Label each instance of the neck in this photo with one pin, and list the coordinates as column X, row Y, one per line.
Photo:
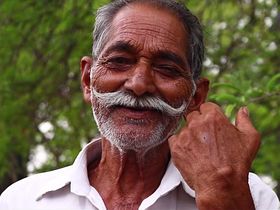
column 128, row 176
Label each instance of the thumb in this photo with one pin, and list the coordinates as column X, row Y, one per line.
column 242, row 120
column 171, row 140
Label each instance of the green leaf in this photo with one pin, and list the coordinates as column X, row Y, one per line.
column 225, row 98
column 273, row 82
column 225, row 85
column 229, row 109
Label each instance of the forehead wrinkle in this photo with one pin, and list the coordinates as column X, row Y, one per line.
column 150, row 31
column 144, row 36
column 138, row 45
column 145, row 28
column 121, row 45
column 124, row 22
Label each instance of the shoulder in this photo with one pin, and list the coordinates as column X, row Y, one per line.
column 37, row 181
column 29, row 188
column 264, row 197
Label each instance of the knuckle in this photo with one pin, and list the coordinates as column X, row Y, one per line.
column 172, row 141
column 210, row 105
column 213, row 117
column 193, row 125
column 192, row 115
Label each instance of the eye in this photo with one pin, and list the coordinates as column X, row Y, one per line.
column 168, row 70
column 119, row 63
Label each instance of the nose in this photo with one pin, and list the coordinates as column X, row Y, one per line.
column 141, row 80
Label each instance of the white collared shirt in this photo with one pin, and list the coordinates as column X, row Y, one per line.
column 69, row 189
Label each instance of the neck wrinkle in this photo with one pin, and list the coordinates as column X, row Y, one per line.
column 128, row 175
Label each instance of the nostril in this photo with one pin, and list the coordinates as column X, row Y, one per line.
column 140, row 83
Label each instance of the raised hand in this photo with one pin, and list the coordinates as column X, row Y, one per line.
column 214, row 157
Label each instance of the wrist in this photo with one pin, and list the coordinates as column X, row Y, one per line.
column 224, row 191
column 225, row 200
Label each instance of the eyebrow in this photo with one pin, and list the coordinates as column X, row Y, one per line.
column 161, row 54
column 121, row 46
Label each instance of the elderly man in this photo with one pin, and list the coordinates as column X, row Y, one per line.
column 142, row 80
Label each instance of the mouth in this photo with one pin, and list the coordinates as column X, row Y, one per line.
column 137, row 112
column 136, row 109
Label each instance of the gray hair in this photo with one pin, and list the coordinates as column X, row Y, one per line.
column 195, row 45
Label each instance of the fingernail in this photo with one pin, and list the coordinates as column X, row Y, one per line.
column 245, row 110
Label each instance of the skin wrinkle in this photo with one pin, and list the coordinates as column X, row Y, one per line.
column 135, row 48
column 99, row 69
column 153, row 28
column 143, row 41
column 125, row 25
column 138, row 44
column 149, row 32
column 106, row 122
column 150, row 46
column 164, row 35
column 128, row 47
column 179, row 86
column 124, row 34
column 190, row 25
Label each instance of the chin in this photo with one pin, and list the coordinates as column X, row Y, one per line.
column 138, row 140
column 133, row 135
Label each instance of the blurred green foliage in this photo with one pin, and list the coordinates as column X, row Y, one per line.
column 41, row 43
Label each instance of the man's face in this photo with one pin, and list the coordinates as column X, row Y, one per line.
column 145, row 56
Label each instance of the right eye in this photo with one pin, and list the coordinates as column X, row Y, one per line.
column 119, row 63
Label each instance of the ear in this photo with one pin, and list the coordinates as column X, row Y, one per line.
column 85, row 66
column 202, row 88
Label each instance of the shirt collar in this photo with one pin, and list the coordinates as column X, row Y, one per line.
column 79, row 179
column 55, row 183
column 76, row 175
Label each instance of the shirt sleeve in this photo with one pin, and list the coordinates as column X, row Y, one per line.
column 3, row 203
column 264, row 197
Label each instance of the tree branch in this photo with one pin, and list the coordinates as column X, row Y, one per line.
column 263, row 97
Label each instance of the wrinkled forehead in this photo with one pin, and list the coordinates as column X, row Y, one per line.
column 149, row 26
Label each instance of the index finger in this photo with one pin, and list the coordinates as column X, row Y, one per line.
column 209, row 107
column 194, row 114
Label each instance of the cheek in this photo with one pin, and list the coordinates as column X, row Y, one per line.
column 175, row 91
column 106, row 81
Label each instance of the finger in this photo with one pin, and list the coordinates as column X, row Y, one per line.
column 171, row 138
column 244, row 125
column 243, row 122
column 190, row 116
column 209, row 107
column 172, row 141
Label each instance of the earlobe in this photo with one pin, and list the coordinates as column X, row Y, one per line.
column 85, row 67
column 200, row 95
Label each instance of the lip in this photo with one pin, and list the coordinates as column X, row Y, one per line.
column 137, row 113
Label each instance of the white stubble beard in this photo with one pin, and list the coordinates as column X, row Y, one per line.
column 133, row 140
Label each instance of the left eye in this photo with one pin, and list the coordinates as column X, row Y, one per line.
column 119, row 60
column 168, row 70
column 118, row 63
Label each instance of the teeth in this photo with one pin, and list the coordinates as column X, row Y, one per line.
column 139, row 109
column 136, row 109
